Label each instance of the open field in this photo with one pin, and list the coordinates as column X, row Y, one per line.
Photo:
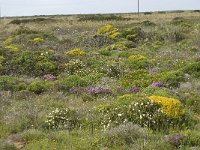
column 100, row 82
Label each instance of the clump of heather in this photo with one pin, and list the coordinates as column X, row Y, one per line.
column 157, row 84
column 175, row 139
column 99, row 91
column 49, row 77
column 134, row 90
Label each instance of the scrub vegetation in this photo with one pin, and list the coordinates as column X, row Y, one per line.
column 98, row 82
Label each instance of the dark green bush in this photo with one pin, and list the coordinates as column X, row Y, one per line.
column 8, row 83
column 99, row 17
column 172, row 78
column 133, row 34
column 148, row 23
column 35, row 20
column 43, row 68
column 73, row 81
column 148, row 13
column 192, row 69
column 25, row 30
column 193, row 103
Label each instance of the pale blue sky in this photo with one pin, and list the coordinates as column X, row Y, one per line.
column 48, row 7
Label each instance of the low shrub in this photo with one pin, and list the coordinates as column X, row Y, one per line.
column 133, row 34
column 62, row 118
column 138, row 78
column 99, row 17
column 148, row 23
column 74, row 65
column 192, row 69
column 37, row 87
column 127, row 133
column 8, row 83
column 96, row 91
column 72, row 81
column 144, row 112
column 175, row 139
column 76, row 52
column 193, row 103
column 172, row 78
column 117, row 46
column 108, row 30
column 35, row 20
column 171, row 107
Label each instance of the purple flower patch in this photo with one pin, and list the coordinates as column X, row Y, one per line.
column 134, row 90
column 157, row 84
column 49, row 77
column 98, row 90
column 175, row 139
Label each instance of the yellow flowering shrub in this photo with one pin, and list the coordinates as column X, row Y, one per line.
column 136, row 57
column 38, row 40
column 76, row 52
column 108, row 30
column 13, row 47
column 8, row 41
column 171, row 107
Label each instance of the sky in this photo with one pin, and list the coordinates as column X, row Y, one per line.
column 54, row 7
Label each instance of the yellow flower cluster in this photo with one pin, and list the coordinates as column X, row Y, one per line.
column 171, row 107
column 38, row 40
column 108, row 30
column 76, row 52
column 136, row 57
column 12, row 47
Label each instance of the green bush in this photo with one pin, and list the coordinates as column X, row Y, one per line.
column 138, row 78
column 194, row 104
column 172, row 78
column 193, row 69
column 73, row 81
column 8, row 83
column 43, row 68
column 133, row 34
column 37, row 87
column 32, row 63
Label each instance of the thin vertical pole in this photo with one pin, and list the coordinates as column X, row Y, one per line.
column 0, row 12
column 138, row 7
